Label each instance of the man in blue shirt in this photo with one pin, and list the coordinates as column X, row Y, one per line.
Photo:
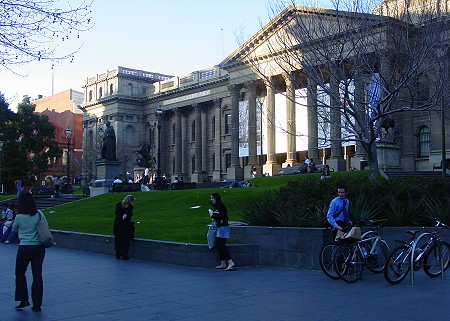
column 338, row 213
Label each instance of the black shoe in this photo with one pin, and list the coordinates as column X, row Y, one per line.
column 22, row 304
column 36, row 308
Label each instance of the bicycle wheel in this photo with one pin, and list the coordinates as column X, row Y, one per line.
column 376, row 261
column 349, row 263
column 326, row 260
column 398, row 265
column 432, row 259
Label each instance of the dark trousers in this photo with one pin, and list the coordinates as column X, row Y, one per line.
column 33, row 254
column 224, row 254
column 122, row 241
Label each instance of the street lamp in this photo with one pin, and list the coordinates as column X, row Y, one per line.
column 1, row 156
column 159, row 114
column 68, row 135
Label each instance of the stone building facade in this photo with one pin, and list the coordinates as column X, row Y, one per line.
column 221, row 121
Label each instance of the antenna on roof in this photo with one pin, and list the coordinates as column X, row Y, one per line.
column 223, row 51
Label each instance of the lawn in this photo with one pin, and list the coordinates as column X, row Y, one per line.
column 159, row 215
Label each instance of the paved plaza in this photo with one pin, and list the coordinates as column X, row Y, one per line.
column 94, row 287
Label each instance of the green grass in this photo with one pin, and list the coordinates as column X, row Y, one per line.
column 162, row 215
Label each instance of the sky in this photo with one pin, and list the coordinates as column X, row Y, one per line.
column 173, row 37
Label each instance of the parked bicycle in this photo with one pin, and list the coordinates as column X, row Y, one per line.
column 351, row 257
column 326, row 258
column 427, row 255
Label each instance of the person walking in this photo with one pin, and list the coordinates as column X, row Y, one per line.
column 220, row 216
column 30, row 250
column 122, row 227
column 339, row 211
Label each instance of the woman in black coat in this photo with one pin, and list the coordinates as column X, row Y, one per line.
column 122, row 227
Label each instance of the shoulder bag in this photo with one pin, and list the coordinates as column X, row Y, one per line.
column 45, row 235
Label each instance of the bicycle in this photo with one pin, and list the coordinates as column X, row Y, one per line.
column 371, row 251
column 427, row 255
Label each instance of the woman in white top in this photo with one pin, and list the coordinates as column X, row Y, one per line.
column 31, row 251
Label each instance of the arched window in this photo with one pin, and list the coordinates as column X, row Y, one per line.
column 228, row 124
column 424, row 141
column 193, row 131
column 173, row 133
column 129, row 135
column 193, row 164
column 111, row 89
column 130, row 89
column 90, row 95
column 100, row 93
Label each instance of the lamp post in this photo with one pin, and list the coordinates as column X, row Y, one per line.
column 1, row 156
column 68, row 135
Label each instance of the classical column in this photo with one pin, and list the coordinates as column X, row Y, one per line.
column 184, row 157
column 178, row 143
column 217, row 141
column 235, row 171
column 271, row 167
column 313, row 132
column 252, row 137
column 336, row 161
column 196, row 176
column 291, row 157
column 360, row 103
column 335, row 119
column 204, row 142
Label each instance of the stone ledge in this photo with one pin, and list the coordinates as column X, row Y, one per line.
column 186, row 254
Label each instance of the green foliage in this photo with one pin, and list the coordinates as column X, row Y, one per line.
column 29, row 143
column 437, row 208
column 259, row 210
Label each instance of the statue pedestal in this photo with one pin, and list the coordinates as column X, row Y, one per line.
column 107, row 170
column 388, row 156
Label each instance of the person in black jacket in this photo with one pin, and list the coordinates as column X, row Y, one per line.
column 220, row 216
column 122, row 227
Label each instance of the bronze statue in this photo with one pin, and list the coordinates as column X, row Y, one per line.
column 109, row 143
column 143, row 156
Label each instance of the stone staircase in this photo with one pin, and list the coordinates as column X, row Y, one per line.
column 47, row 202
column 403, row 174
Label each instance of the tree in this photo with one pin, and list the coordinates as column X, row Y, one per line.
column 29, row 143
column 34, row 29
column 401, row 55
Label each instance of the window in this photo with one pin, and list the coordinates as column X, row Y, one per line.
column 227, row 160
column 90, row 95
column 130, row 89
column 228, row 124
column 100, row 93
column 213, row 127
column 129, row 135
column 173, row 133
column 193, row 131
column 424, row 141
column 173, row 166
column 193, row 163
column 111, row 89
column 213, row 161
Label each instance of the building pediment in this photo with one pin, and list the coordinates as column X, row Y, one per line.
column 278, row 36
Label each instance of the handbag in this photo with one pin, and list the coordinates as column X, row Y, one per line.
column 44, row 233
column 353, row 235
column 211, row 234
